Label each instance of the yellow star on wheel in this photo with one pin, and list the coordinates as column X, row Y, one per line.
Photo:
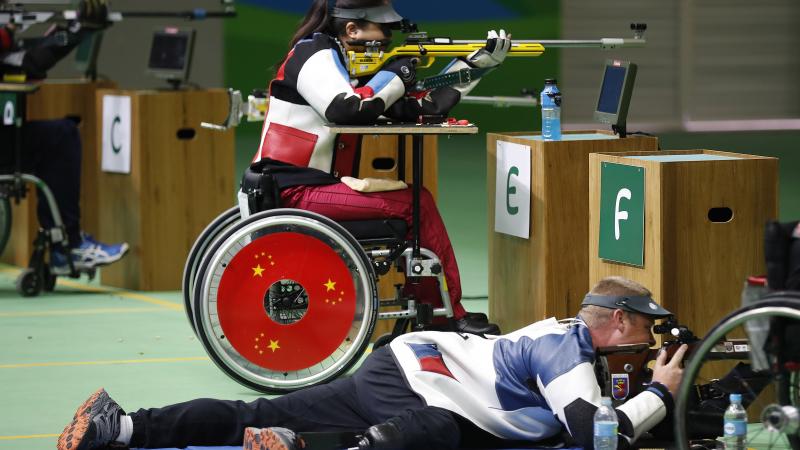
column 273, row 345
column 257, row 271
column 330, row 285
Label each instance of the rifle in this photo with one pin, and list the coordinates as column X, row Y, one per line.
column 23, row 19
column 426, row 49
column 623, row 371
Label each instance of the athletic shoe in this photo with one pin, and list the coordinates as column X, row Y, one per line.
column 95, row 425
column 90, row 254
column 274, row 438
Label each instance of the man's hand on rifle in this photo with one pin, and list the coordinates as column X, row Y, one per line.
column 93, row 14
column 669, row 373
column 495, row 51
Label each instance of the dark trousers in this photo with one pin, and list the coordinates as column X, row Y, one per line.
column 376, row 393
column 51, row 151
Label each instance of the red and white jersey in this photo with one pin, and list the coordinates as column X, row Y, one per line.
column 313, row 88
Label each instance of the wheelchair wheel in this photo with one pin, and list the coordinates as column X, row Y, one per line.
column 5, row 222
column 771, row 388
column 29, row 283
column 197, row 252
column 284, row 300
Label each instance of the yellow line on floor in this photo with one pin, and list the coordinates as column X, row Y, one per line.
column 78, row 312
column 30, row 436
column 102, row 290
column 104, row 363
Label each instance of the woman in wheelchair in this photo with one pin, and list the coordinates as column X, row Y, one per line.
column 51, row 149
column 312, row 88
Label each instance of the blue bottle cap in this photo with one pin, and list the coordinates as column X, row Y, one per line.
column 736, row 398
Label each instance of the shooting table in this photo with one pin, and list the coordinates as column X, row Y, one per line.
column 547, row 274
column 51, row 100
column 376, row 140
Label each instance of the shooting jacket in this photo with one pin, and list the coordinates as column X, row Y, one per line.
column 313, row 88
column 525, row 385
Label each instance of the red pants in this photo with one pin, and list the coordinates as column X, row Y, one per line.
column 339, row 202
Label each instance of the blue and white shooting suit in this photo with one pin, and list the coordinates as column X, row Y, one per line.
column 525, row 385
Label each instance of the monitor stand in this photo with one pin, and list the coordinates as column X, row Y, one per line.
column 175, row 84
column 621, row 130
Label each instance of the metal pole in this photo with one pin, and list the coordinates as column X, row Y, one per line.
column 416, row 190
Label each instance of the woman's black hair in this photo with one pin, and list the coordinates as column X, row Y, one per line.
column 319, row 20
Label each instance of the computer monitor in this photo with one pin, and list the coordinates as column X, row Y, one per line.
column 615, row 94
column 171, row 54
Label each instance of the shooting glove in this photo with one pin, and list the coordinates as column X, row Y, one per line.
column 495, row 51
column 404, row 68
column 93, row 14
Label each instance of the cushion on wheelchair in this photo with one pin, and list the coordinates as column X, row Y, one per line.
column 376, row 228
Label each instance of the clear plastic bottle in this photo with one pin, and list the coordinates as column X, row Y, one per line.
column 550, row 100
column 605, row 426
column 735, row 424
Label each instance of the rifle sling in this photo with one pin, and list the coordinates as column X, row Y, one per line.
column 462, row 76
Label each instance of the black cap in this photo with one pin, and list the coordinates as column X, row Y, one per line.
column 550, row 81
column 631, row 303
column 377, row 14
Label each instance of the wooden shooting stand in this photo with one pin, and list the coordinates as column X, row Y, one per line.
column 181, row 178
column 547, row 275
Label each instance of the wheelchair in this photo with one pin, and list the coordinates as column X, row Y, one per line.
column 14, row 186
column 762, row 338
column 37, row 276
column 285, row 298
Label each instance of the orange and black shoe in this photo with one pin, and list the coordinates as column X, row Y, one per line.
column 274, row 438
column 95, row 425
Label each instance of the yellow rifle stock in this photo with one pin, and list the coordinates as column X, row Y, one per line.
column 427, row 49
column 371, row 61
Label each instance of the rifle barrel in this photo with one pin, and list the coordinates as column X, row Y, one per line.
column 113, row 16
column 575, row 43
column 193, row 14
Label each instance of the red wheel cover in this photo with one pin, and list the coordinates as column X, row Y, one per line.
column 331, row 301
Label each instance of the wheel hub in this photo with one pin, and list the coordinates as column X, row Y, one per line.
column 783, row 419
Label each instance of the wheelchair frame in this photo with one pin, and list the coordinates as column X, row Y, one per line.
column 215, row 254
column 37, row 276
column 779, row 418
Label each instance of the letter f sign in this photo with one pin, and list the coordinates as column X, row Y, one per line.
column 620, row 215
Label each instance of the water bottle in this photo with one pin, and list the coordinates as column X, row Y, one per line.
column 605, row 426
column 551, row 111
column 735, row 428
